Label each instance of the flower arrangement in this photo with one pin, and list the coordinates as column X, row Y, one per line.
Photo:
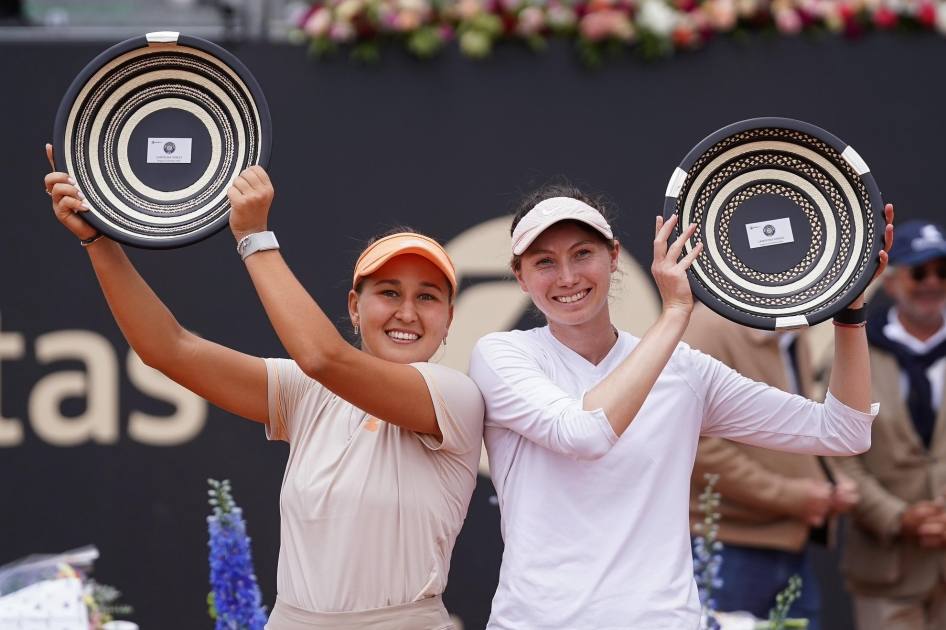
column 103, row 605
column 235, row 601
column 655, row 27
column 707, row 558
column 56, row 590
column 707, row 561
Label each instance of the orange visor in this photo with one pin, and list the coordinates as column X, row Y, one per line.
column 384, row 249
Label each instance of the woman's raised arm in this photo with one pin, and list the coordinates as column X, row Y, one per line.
column 622, row 393
column 394, row 392
column 229, row 379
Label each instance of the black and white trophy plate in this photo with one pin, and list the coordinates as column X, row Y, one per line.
column 154, row 130
column 790, row 218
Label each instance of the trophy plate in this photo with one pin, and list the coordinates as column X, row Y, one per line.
column 154, row 131
column 790, row 218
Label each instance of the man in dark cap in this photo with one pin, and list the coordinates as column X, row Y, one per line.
column 894, row 558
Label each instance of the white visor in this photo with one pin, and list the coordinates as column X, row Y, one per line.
column 553, row 210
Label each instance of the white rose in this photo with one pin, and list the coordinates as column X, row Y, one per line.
column 348, row 9
column 417, row 6
column 657, row 17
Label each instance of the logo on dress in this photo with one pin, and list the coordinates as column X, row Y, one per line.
column 169, row 147
column 768, row 230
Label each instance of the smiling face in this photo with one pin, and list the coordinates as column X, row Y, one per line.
column 920, row 292
column 567, row 272
column 403, row 309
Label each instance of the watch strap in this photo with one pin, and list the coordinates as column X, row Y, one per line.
column 851, row 316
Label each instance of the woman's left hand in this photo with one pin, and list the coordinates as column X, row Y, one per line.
column 250, row 198
column 884, row 253
column 669, row 270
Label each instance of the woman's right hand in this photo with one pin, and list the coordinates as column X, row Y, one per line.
column 669, row 273
column 67, row 200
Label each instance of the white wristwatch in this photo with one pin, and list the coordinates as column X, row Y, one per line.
column 257, row 242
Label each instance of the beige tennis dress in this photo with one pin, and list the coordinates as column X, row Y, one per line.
column 369, row 511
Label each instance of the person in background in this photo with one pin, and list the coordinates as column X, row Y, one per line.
column 774, row 505
column 894, row 559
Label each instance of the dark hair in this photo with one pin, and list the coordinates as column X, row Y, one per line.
column 398, row 229
column 561, row 189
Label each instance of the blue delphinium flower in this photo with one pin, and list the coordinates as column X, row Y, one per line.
column 235, row 600
column 707, row 556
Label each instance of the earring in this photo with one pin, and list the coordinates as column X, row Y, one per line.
column 445, row 340
column 356, row 329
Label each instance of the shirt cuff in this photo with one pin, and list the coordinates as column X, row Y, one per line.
column 603, row 423
column 836, row 405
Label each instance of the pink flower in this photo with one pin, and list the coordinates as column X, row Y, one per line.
column 318, row 23
column 407, row 21
column 926, row 14
column 848, row 11
column 531, row 21
column 342, row 31
column 387, row 17
column 466, row 9
column 722, row 14
column 303, row 16
column 788, row 21
column 885, row 18
column 604, row 24
column 622, row 28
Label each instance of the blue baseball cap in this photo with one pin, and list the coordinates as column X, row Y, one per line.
column 916, row 242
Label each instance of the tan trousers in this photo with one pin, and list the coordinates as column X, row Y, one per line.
column 427, row 614
column 887, row 613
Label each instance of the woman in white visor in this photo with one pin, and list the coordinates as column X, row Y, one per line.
column 591, row 432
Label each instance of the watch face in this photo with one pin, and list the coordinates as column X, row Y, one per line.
column 790, row 218
column 154, row 130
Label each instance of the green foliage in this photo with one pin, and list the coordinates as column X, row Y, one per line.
column 783, row 601
column 212, row 605
column 102, row 602
column 425, row 42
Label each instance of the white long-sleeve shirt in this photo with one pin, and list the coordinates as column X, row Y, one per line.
column 596, row 526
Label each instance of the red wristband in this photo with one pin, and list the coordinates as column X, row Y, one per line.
column 843, row 325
